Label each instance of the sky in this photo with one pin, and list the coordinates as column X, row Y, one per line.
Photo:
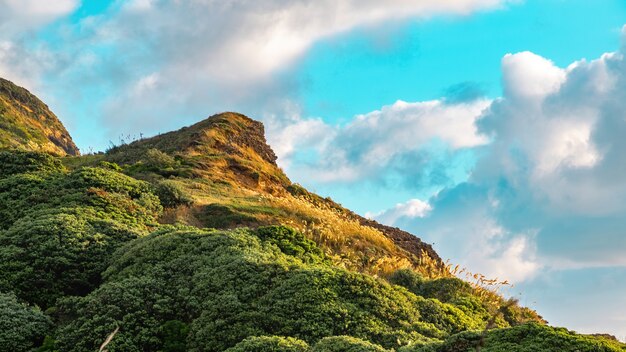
column 493, row 129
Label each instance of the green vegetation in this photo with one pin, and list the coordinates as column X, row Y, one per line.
column 60, row 229
column 22, row 327
column 345, row 344
column 231, row 285
column 270, row 344
column 196, row 241
column 20, row 162
column 531, row 337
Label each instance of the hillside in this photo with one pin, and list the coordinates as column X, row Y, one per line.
column 195, row 240
column 26, row 123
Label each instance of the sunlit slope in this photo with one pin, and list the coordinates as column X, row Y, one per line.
column 228, row 177
column 26, row 123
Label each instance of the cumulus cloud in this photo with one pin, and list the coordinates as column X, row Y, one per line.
column 400, row 133
column 549, row 190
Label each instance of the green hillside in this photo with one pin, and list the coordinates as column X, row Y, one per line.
column 195, row 240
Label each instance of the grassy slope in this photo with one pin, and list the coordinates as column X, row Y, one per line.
column 26, row 123
column 225, row 166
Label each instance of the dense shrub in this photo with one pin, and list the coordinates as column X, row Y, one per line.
column 291, row 242
column 172, row 194
column 117, row 196
column 345, row 344
column 445, row 289
column 231, row 285
column 174, row 336
column 531, row 337
column 21, row 327
column 17, row 162
column 270, row 344
column 57, row 252
column 58, row 229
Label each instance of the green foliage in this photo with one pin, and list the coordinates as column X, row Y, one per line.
column 21, row 327
column 451, row 290
column 291, row 242
column 58, row 230
column 48, row 345
column 531, row 337
column 270, row 344
column 231, row 285
column 115, row 195
column 445, row 289
column 17, row 162
column 174, row 336
column 172, row 194
column 57, row 252
column 346, row 344
column 407, row 278
column 141, row 161
column 108, row 165
column 534, row 337
column 157, row 161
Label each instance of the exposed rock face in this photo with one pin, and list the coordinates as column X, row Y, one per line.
column 253, row 136
column 27, row 123
column 404, row 240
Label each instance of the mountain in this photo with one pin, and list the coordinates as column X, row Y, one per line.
column 196, row 240
column 226, row 166
column 27, row 123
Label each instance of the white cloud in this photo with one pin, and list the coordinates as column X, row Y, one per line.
column 245, row 39
column 413, row 208
column 22, row 62
column 553, row 173
column 17, row 16
column 527, row 75
column 230, row 55
column 367, row 145
column 463, row 226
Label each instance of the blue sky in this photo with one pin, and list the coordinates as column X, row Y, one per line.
column 491, row 128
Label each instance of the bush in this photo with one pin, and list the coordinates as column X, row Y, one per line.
column 172, row 194
column 529, row 337
column 58, row 230
column 17, row 162
column 53, row 253
column 270, row 344
column 232, row 285
column 291, row 242
column 174, row 336
column 407, row 278
column 117, row 196
column 345, row 344
column 445, row 289
column 21, row 327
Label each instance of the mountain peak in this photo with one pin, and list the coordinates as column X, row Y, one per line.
column 28, row 124
column 237, row 130
column 228, row 132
